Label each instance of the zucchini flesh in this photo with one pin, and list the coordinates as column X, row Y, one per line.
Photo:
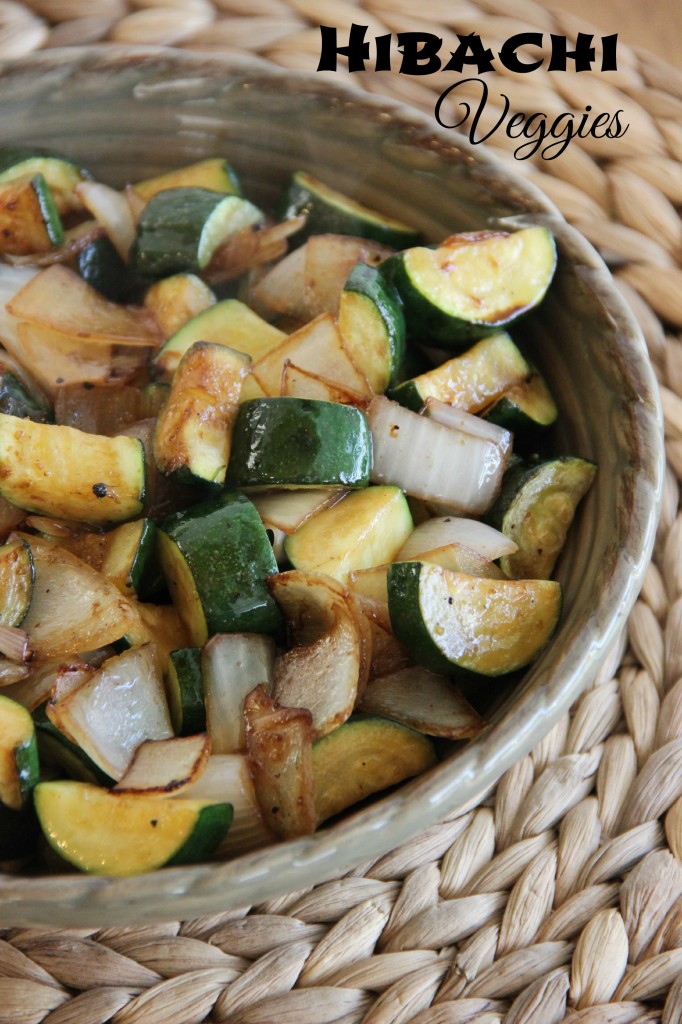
column 372, row 325
column 365, row 528
column 29, row 221
column 130, row 559
column 472, row 284
column 60, row 174
column 62, row 472
column 18, row 754
column 470, row 381
column 177, row 299
column 213, row 173
column 193, row 430
column 452, row 622
column 536, row 509
column 17, row 575
column 328, row 210
column 526, row 408
column 125, row 834
column 364, row 756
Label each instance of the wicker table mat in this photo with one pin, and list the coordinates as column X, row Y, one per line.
column 560, row 897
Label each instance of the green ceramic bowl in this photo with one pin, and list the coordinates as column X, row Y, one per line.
column 127, row 114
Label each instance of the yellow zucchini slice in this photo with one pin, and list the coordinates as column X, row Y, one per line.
column 18, row 754
column 62, row 472
column 123, row 834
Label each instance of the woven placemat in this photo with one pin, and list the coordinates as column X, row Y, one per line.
column 560, row 897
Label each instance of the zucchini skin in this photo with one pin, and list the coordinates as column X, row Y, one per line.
column 227, row 551
column 299, row 442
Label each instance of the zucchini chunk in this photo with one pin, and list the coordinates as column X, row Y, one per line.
column 29, row 221
column 193, row 430
column 101, row 266
column 177, row 299
column 365, row 528
column 362, row 757
column 17, row 575
column 130, row 559
column 184, row 683
column 19, row 769
column 124, row 834
column 214, row 173
column 526, row 409
column 299, row 442
column 17, row 397
column 470, row 381
column 536, row 508
column 61, row 175
column 180, row 229
column 473, row 284
column 327, row 210
column 452, row 622
column 229, row 323
column 216, row 557
column 372, row 325
column 62, row 472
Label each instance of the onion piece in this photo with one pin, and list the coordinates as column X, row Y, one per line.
column 458, row 419
column 431, row 461
column 111, row 209
column 425, row 701
column 438, row 532
column 233, row 664
column 11, row 673
column 324, row 670
column 14, row 644
column 249, row 248
column 287, row 510
column 279, row 749
column 114, row 711
column 166, row 767
column 300, row 383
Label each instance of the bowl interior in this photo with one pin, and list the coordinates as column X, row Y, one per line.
column 127, row 115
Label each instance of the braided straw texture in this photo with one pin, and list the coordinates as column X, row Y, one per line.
column 560, row 897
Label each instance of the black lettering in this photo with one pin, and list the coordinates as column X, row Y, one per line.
column 517, row 119
column 420, row 53
column 583, row 55
column 470, row 51
column 608, row 52
column 615, row 124
column 383, row 57
column 509, row 57
column 480, row 110
column 357, row 50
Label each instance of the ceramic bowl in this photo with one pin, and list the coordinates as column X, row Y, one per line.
column 127, row 114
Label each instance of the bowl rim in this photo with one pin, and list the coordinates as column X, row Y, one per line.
column 461, row 781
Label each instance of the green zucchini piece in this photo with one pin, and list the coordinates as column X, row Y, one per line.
column 230, row 323
column 362, row 757
column 216, row 557
column 180, row 229
column 18, row 398
column 451, row 622
column 130, row 559
column 185, row 691
column 472, row 284
column 364, row 529
column 176, row 300
column 213, row 173
column 61, row 175
column 372, row 325
column 62, row 472
column 100, row 265
column 56, row 749
column 470, row 381
column 193, row 431
column 526, row 408
column 328, row 211
column 17, row 575
column 29, row 221
column 299, row 442
column 19, row 770
column 535, row 509
column 123, row 834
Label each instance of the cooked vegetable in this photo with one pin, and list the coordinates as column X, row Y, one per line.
column 29, row 221
column 328, row 210
column 185, row 691
column 535, row 510
column 61, row 175
column 124, row 834
column 233, row 664
column 18, row 754
column 526, row 408
column 214, row 174
column 450, row 621
column 16, row 582
column 372, row 325
column 472, row 284
column 298, row 442
column 165, row 767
